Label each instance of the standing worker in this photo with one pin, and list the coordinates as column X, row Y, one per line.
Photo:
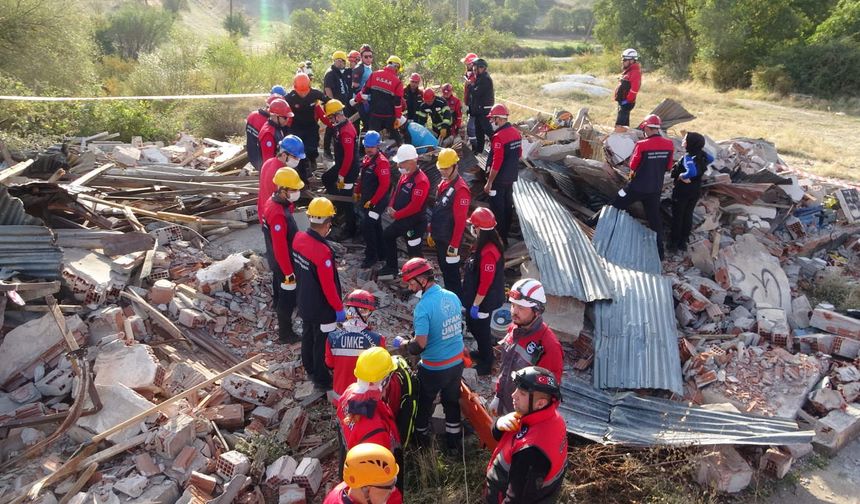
column 687, row 174
column 628, row 86
column 360, row 75
column 529, row 463
column 503, row 166
column 279, row 229
column 371, row 193
column 456, row 107
column 529, row 342
column 319, row 294
column 340, row 178
column 412, row 95
column 337, row 84
column 253, row 124
column 306, row 104
column 481, row 100
column 407, row 209
column 448, row 219
column 437, row 323
column 483, row 285
column 436, row 109
column 369, row 477
column 291, row 151
column 344, row 345
column 651, row 159
column 275, row 129
column 468, row 80
column 385, row 92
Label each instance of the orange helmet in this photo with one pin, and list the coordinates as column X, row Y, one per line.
column 354, row 56
column 469, row 58
column 302, row 84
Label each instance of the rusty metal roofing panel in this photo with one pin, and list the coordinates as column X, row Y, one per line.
column 568, row 263
column 12, row 210
column 623, row 241
column 672, row 113
column 31, row 251
column 628, row 419
column 635, row 339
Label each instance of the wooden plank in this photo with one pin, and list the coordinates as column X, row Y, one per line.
column 138, row 181
column 156, row 315
column 15, row 170
column 92, row 174
column 79, row 484
column 61, row 323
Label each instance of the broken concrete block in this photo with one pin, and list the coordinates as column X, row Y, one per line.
column 134, row 366
column 145, row 464
column 132, row 486
column 181, row 377
column 749, row 267
column 846, row 373
column 119, row 404
column 182, row 463
column 38, row 340
column 292, row 494
column 175, row 435
column 851, row 391
column 775, row 462
column 836, row 323
column 191, row 318
column 700, row 254
column 812, row 343
column 128, row 156
column 25, row 394
column 91, row 276
column 231, row 463
column 167, row 492
column 162, row 292
column 293, row 425
column 265, row 415
column 203, row 482
column 250, row 390
column 800, row 312
column 309, row 475
column 723, row 470
column 797, row 451
column 30, row 436
column 845, row 347
column 281, row 471
column 229, row 416
column 154, row 155
column 837, row 429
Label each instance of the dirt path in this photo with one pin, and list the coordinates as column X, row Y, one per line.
column 838, row 483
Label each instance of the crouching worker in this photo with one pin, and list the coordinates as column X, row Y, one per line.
column 369, row 476
column 344, row 345
column 529, row 462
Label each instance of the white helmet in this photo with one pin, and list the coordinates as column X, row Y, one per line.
column 630, row 54
column 405, row 152
column 528, row 292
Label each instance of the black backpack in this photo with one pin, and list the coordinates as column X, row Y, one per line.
column 408, row 399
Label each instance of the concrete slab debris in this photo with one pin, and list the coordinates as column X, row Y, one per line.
column 119, row 404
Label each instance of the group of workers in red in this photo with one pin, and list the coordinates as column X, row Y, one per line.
column 381, row 402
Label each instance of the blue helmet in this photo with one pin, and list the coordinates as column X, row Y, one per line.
column 279, row 90
column 371, row 138
column 293, row 145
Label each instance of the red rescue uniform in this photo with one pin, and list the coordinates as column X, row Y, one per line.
column 338, row 495
column 267, row 184
column 342, row 349
column 386, row 94
column 366, row 418
column 535, row 346
column 255, row 122
column 456, row 107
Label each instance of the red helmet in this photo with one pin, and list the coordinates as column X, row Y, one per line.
column 447, row 89
column 483, row 219
column 280, row 107
column 361, row 299
column 469, row 58
column 414, row 267
column 651, row 121
column 354, row 56
column 415, row 77
column 272, row 98
column 429, row 95
column 498, row 110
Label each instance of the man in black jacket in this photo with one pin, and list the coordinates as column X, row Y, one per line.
column 481, row 100
column 337, row 84
column 687, row 175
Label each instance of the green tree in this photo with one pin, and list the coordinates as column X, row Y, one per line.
column 134, row 29
column 175, row 6
column 237, row 25
column 304, row 36
column 843, row 22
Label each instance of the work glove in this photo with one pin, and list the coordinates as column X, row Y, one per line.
column 473, row 312
column 493, row 407
column 399, row 341
column 431, row 242
column 452, row 255
column 509, row 422
column 365, row 96
column 340, row 182
column 368, row 204
column 352, row 102
column 341, row 315
column 624, row 102
column 373, row 215
column 289, row 282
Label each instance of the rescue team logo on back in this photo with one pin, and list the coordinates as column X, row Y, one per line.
column 531, row 347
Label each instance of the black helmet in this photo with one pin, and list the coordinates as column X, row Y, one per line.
column 480, row 63
column 537, row 379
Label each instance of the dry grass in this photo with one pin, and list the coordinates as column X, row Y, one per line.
column 811, row 135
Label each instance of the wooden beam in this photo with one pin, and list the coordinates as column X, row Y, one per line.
column 79, row 484
column 15, row 170
column 83, row 179
column 156, row 315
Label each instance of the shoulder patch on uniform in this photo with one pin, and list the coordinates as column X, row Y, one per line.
column 277, row 227
column 464, row 201
column 419, row 192
column 268, row 143
column 328, row 263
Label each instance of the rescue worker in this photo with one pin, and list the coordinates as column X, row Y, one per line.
column 337, row 84
column 369, row 477
column 360, row 75
column 651, row 159
column 340, row 178
column 362, row 413
column 529, row 342
column 319, row 294
column 503, row 165
column 279, row 229
column 276, row 128
column 436, row 109
column 483, row 284
column 437, row 324
column 687, row 174
column 278, row 91
column 253, row 124
column 385, row 92
column 529, row 463
column 345, row 344
column 407, row 210
column 371, row 194
column 418, row 136
column 354, row 59
column 468, row 80
column 291, row 151
column 481, row 100
column 456, row 107
column 305, row 102
column 412, row 95
column 628, row 86
column 448, row 218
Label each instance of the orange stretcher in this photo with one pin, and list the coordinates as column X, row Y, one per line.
column 481, row 421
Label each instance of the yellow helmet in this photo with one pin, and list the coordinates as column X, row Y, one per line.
column 369, row 464
column 289, row 178
column 339, row 55
column 447, row 158
column 320, row 209
column 374, row 364
column 333, row 106
column 396, row 60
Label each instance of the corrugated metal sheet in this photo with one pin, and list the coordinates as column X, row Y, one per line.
column 12, row 210
column 672, row 113
column 568, row 263
column 628, row 419
column 623, row 241
column 31, row 251
column 635, row 340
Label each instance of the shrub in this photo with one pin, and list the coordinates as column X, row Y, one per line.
column 827, row 69
column 134, row 29
column 218, row 119
column 237, row 25
column 772, row 79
